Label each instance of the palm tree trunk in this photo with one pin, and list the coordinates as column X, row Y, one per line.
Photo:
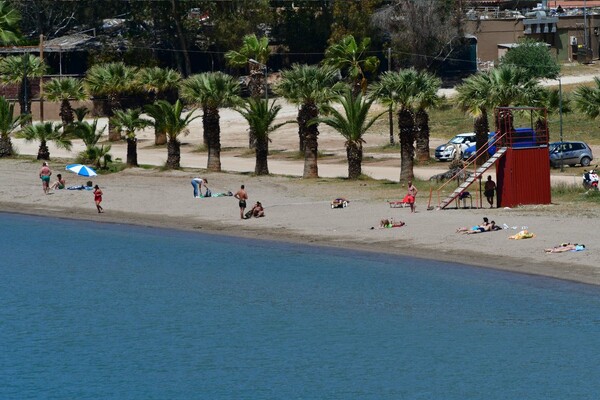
column 482, row 128
column 43, row 152
column 354, row 153
column 173, row 154
column 422, row 135
column 6, row 148
column 212, row 133
column 504, row 125
column 309, row 140
column 114, row 135
column 407, row 151
column 132, row 159
column 25, row 97
column 66, row 113
column 262, row 152
column 160, row 137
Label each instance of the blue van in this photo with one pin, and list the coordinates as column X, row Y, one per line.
column 523, row 137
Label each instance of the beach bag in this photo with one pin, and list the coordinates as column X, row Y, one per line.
column 208, row 193
column 248, row 214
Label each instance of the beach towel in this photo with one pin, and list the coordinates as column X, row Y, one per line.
column 221, row 194
column 524, row 234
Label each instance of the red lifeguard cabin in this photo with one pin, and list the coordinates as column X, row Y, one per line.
column 523, row 173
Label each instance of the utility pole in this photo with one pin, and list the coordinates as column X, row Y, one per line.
column 391, row 111
column 42, row 79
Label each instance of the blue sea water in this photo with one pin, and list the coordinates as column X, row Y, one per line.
column 103, row 311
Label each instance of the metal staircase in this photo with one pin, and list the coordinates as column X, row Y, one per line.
column 478, row 172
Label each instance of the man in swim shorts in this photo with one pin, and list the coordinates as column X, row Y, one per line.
column 242, row 196
column 45, row 177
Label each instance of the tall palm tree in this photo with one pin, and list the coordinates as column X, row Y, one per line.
column 254, row 53
column 211, row 91
column 9, row 123
column 397, row 89
column 587, row 99
column 45, row 132
column 19, row 70
column 9, row 24
column 111, row 81
column 128, row 122
column 65, row 90
column 350, row 57
column 426, row 97
column 310, row 87
column 169, row 117
column 472, row 98
column 352, row 124
column 260, row 117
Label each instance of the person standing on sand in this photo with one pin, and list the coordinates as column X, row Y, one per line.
column 45, row 174
column 242, row 196
column 490, row 187
column 98, row 198
column 411, row 196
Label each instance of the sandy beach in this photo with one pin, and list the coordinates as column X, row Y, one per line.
column 299, row 210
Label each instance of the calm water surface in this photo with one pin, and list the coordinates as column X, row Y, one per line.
column 97, row 311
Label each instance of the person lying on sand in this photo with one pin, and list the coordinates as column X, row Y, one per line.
column 566, row 247
column 390, row 223
column 485, row 227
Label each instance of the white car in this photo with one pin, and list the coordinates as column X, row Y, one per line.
column 461, row 141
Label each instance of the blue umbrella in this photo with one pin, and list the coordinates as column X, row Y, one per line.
column 81, row 169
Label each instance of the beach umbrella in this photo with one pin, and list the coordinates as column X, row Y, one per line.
column 81, row 169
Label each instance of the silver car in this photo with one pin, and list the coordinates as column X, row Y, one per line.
column 571, row 154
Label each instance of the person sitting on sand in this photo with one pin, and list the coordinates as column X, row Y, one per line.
column 390, row 223
column 258, row 210
column 566, row 247
column 59, row 184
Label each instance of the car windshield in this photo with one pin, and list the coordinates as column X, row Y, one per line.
column 458, row 140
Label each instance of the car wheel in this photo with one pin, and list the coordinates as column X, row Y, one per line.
column 585, row 161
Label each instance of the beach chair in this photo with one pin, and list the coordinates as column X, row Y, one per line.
column 398, row 204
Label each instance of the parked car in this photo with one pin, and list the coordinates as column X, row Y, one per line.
column 522, row 138
column 462, row 141
column 572, row 153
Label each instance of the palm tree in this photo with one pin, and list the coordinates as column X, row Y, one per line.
column 211, row 91
column 260, row 117
column 65, row 90
column 128, row 122
column 310, row 87
column 111, row 81
column 352, row 124
column 548, row 102
column 8, row 124
column 508, row 86
column 160, row 84
column 472, row 98
column 587, row 99
column 45, row 132
column 255, row 54
column 349, row 56
column 9, row 24
column 169, row 117
column 90, row 135
column 19, row 70
column 397, row 89
column 426, row 97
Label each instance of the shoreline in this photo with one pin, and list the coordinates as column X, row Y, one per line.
column 549, row 269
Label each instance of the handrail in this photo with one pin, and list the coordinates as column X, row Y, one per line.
column 472, row 161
